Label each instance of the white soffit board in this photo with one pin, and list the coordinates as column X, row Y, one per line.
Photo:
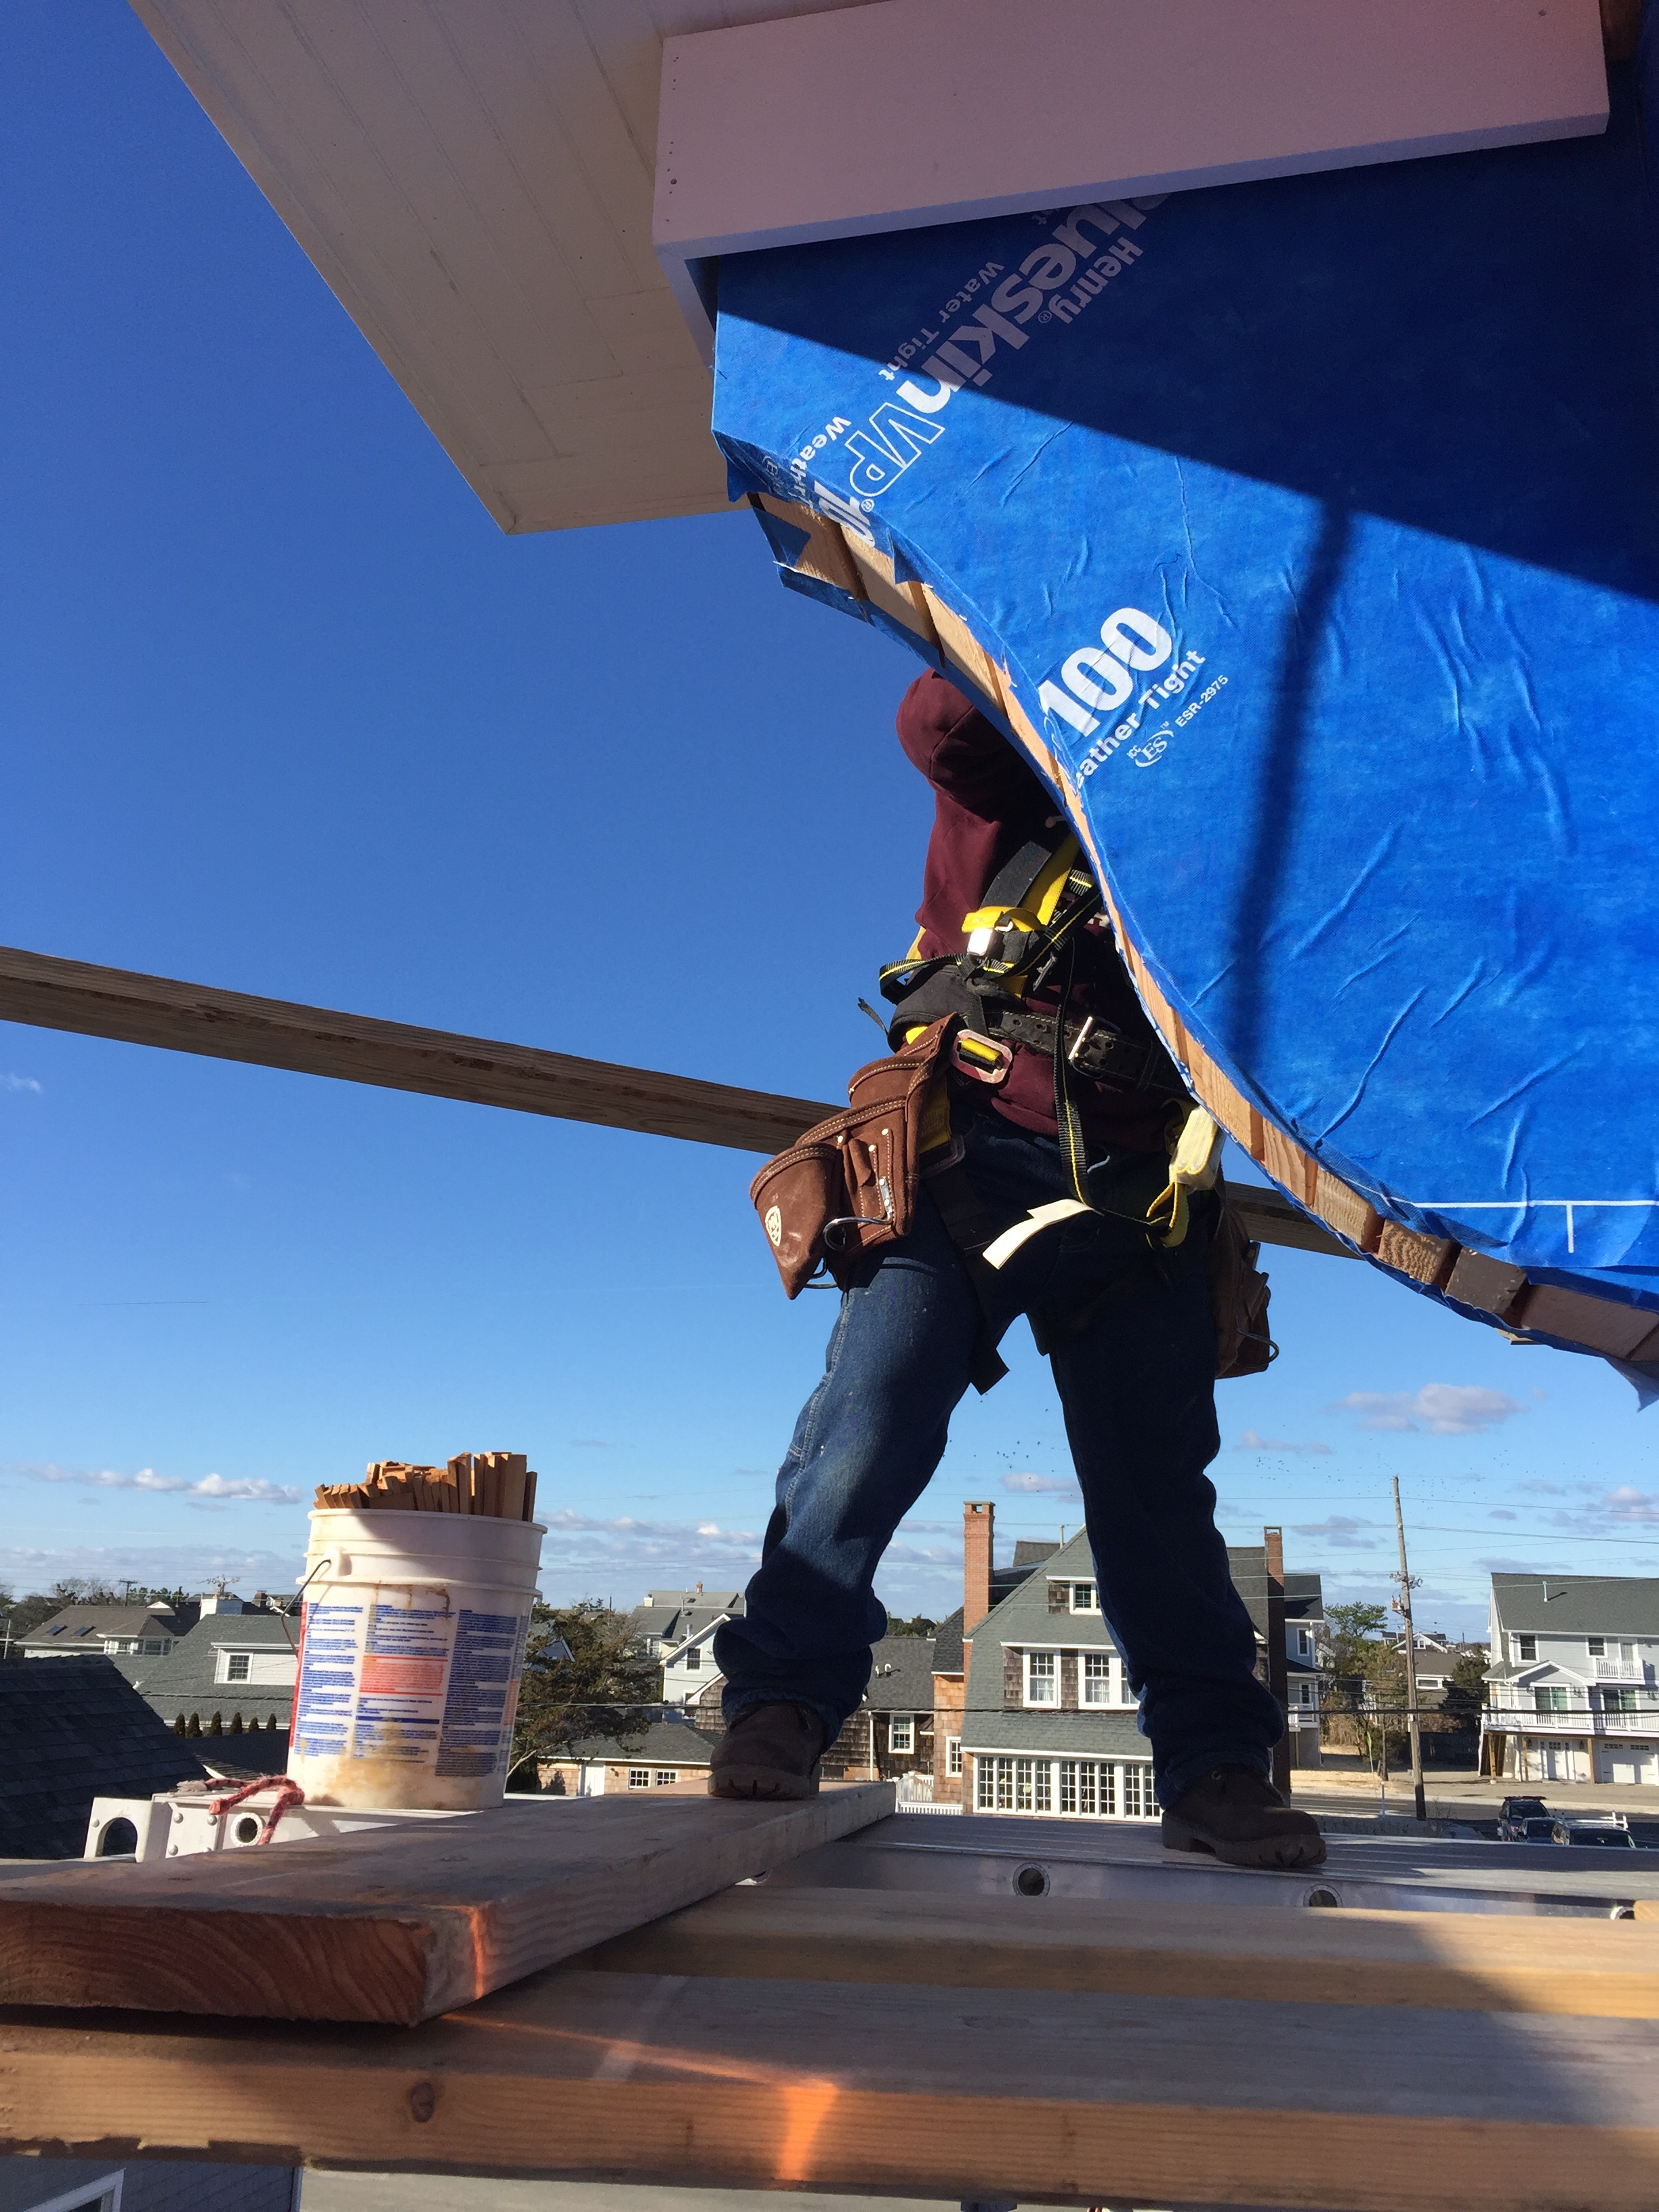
column 473, row 180
column 916, row 112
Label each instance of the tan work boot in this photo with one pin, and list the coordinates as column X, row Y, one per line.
column 1244, row 1821
column 768, row 1750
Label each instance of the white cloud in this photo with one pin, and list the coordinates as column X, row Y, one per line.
column 20, row 1083
column 213, row 1486
column 1342, row 1531
column 1030, row 1485
column 1438, row 1409
column 1628, row 1504
column 1311, row 1448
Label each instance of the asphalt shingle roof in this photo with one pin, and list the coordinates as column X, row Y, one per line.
column 664, row 1743
column 83, row 1627
column 71, row 1731
column 902, row 1675
column 1577, row 1605
column 183, row 1685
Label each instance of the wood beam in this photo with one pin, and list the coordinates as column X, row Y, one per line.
column 1075, row 2097
column 397, row 1923
column 153, row 1010
column 132, row 1008
column 1445, row 1961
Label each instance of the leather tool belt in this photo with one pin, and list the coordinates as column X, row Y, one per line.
column 1093, row 1049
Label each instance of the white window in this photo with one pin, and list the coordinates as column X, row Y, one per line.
column 1596, row 1646
column 1095, row 1687
column 666, row 1776
column 900, row 1734
column 1042, row 1678
column 639, row 1777
column 1304, row 1641
column 1076, row 1788
column 693, row 1657
column 953, row 1755
column 1306, row 1690
column 236, row 1666
column 1084, row 1598
column 1526, row 1647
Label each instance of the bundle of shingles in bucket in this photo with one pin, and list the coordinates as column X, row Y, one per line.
column 499, row 1483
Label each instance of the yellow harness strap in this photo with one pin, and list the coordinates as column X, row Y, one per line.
column 1195, row 1159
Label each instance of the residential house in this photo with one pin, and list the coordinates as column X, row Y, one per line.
column 1033, row 1712
column 677, row 1628
column 233, row 1673
column 1570, row 1689
column 114, row 1631
column 984, row 1584
column 1048, row 1725
column 670, row 1754
column 891, row 1736
column 70, row 1734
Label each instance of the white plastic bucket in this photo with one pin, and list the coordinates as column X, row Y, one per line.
column 410, row 1653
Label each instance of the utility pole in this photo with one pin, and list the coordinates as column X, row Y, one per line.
column 1404, row 1604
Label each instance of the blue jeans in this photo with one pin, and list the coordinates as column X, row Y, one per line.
column 1136, row 1382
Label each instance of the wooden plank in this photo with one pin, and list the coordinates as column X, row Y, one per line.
column 396, row 1923
column 153, row 1010
column 1078, row 2098
column 1271, row 1219
column 1443, row 1961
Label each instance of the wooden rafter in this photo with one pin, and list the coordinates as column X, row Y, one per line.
column 155, row 1010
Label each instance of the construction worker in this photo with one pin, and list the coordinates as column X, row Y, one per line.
column 1125, row 1320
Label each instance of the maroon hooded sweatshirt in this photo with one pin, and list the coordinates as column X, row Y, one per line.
column 988, row 803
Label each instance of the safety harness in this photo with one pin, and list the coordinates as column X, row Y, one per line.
column 1025, row 934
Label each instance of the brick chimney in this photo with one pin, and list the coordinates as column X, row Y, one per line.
column 1272, row 1544
column 978, row 1527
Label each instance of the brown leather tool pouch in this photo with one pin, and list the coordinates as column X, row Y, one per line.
column 850, row 1183
column 1238, row 1298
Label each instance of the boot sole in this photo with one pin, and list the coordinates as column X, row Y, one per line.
column 761, row 1781
column 1285, row 1852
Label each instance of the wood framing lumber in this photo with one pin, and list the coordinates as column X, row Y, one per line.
column 395, row 1924
column 131, row 1008
column 152, row 1010
column 1442, row 1961
column 1075, row 2097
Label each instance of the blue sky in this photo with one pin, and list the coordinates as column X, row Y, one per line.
column 282, row 711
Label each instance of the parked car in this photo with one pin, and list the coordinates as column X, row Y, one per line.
column 1603, row 1834
column 1513, row 1815
column 1535, row 1831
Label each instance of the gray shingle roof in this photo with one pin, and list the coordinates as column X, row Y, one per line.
column 1577, row 1605
column 1068, row 1735
column 72, row 1730
column 947, row 1645
column 665, row 1743
column 902, row 1675
column 182, row 1684
column 83, row 1627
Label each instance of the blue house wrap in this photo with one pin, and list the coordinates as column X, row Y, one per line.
column 1310, row 530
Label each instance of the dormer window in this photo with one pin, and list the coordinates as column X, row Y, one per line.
column 1084, row 1598
column 1042, row 1678
column 236, row 1666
